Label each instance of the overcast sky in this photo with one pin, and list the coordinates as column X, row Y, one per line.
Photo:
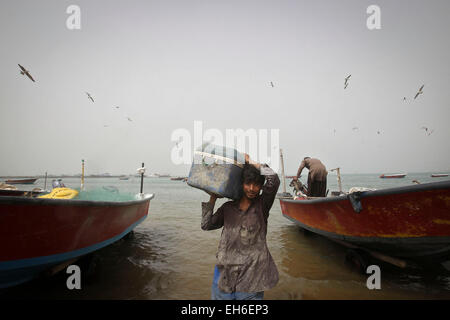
column 166, row 64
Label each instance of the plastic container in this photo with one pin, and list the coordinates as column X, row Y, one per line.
column 217, row 170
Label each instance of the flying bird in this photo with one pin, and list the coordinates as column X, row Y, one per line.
column 404, row 98
column 378, row 132
column 419, row 92
column 129, row 119
column 178, row 141
column 346, row 81
column 271, row 83
column 355, row 128
column 89, row 96
column 428, row 132
column 26, row 72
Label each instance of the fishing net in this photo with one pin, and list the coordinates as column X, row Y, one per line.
column 107, row 193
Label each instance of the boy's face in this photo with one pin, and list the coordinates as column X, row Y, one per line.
column 251, row 189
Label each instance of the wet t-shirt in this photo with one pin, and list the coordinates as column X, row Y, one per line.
column 243, row 259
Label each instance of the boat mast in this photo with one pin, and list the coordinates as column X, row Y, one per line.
column 338, row 178
column 82, row 174
column 45, row 181
column 282, row 171
column 142, row 178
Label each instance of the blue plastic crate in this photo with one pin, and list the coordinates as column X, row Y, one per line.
column 217, row 170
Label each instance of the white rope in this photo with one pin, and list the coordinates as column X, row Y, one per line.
column 215, row 156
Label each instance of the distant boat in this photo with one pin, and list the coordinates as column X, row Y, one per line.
column 21, row 181
column 398, row 175
column 178, row 178
column 124, row 178
column 38, row 234
column 437, row 175
column 162, row 175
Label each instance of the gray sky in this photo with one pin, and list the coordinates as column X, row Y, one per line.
column 167, row 64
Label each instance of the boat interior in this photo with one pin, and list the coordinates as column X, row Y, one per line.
column 22, row 193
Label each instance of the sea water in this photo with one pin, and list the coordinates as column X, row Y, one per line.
column 170, row 257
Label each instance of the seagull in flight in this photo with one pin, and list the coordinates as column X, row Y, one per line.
column 355, row 128
column 178, row 141
column 346, row 81
column 89, row 96
column 419, row 92
column 404, row 98
column 428, row 132
column 271, row 83
column 26, row 72
column 129, row 119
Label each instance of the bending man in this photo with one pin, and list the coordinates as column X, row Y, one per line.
column 317, row 177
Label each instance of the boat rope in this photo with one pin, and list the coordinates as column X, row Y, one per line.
column 217, row 157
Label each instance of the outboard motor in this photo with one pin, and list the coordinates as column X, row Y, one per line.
column 58, row 184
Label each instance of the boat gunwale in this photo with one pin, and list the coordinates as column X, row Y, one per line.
column 373, row 193
column 71, row 202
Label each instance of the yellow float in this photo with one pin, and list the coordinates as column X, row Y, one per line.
column 61, row 193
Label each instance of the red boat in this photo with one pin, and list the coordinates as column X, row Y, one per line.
column 21, row 181
column 439, row 175
column 37, row 233
column 411, row 222
column 398, row 175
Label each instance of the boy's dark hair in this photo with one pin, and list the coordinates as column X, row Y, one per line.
column 251, row 174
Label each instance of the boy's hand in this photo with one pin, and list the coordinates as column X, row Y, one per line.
column 250, row 161
column 213, row 196
column 247, row 158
